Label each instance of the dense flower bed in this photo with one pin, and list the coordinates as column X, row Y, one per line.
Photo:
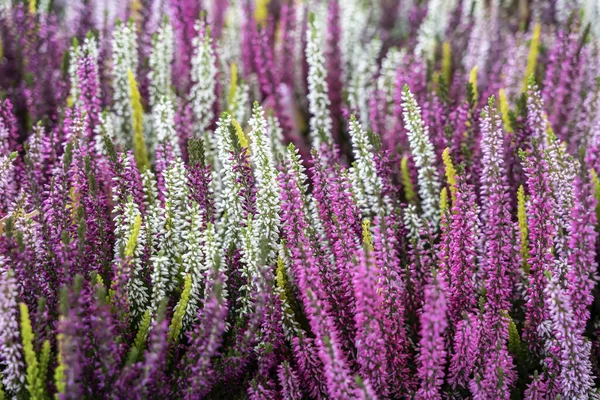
column 299, row 200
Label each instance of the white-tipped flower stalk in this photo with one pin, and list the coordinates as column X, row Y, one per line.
column 161, row 58
column 309, row 203
column 5, row 6
column 260, row 236
column 364, row 173
column 276, row 137
column 249, row 272
column 576, row 379
column 290, row 326
column 433, row 28
column 386, row 83
column 77, row 53
column 124, row 59
column 7, row 169
column 239, row 106
column 176, row 214
column 562, row 167
column 565, row 8
column 243, row 107
column 74, row 57
column 154, row 214
column 362, row 80
column 480, row 37
column 266, row 219
column 90, row 49
column 389, row 72
column 231, row 39
column 168, row 246
column 230, row 203
column 203, row 75
column 423, row 155
column 212, row 256
column 119, row 210
column 193, row 263
column 299, row 55
column 43, row 7
column 136, row 290
column 353, row 23
column 13, row 368
column 591, row 15
column 167, row 228
column 106, row 127
column 160, row 278
column 318, row 98
column 163, row 125
column 562, row 172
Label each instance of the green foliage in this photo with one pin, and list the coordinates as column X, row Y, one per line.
column 450, row 173
column 44, row 361
column 474, row 89
column 91, row 176
column 132, row 241
column 35, row 385
column 443, row 201
column 59, row 372
column 233, row 86
column 514, row 340
column 409, row 190
column 534, row 50
column 523, row 230
column 68, row 156
column 175, row 327
column 446, row 62
column 139, row 143
column 366, row 234
column 140, row 339
column 596, row 183
column 197, row 153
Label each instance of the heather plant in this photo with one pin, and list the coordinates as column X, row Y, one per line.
column 281, row 199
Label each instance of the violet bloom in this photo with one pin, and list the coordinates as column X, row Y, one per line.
column 432, row 348
column 369, row 319
column 466, row 347
column 393, row 292
column 499, row 255
column 582, row 254
column 576, row 380
column 288, row 379
column 306, row 273
column 310, row 367
column 541, row 235
column 462, row 261
column 13, row 371
column 499, row 264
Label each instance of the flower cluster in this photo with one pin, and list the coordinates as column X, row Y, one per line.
column 299, row 200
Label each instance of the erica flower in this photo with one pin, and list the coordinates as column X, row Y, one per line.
column 124, row 59
column 320, row 122
column 576, row 379
column 160, row 61
column 203, row 75
column 422, row 151
column 368, row 185
column 432, row 352
column 13, row 373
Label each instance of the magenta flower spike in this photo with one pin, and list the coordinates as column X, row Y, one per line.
column 313, row 295
column 582, row 254
column 462, row 271
column 431, row 360
column 541, row 227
